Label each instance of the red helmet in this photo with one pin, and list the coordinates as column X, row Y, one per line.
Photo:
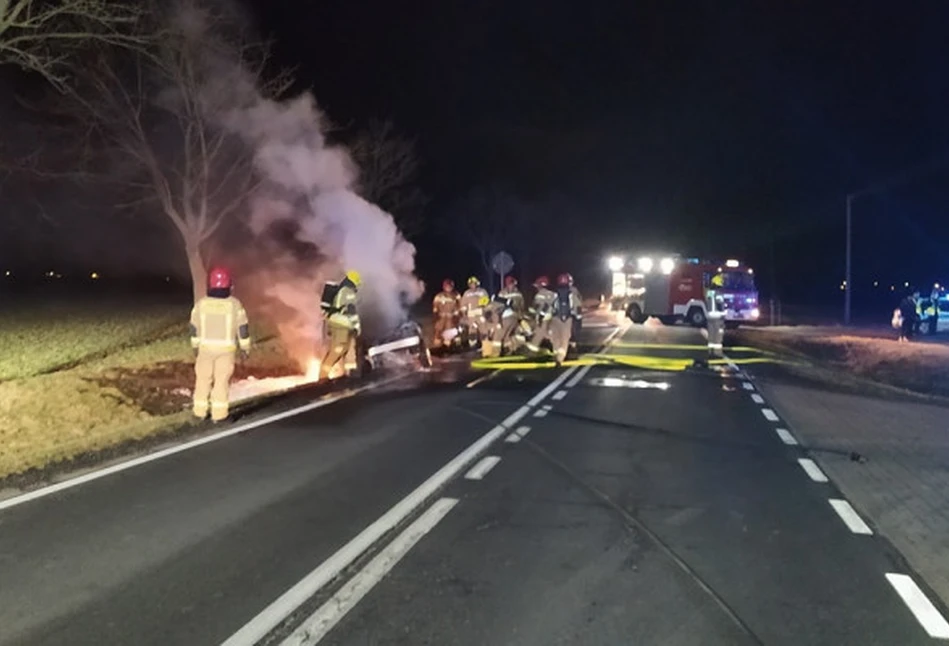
column 448, row 285
column 510, row 281
column 219, row 278
column 564, row 280
column 542, row 281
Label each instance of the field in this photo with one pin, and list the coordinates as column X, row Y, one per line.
column 78, row 377
column 870, row 355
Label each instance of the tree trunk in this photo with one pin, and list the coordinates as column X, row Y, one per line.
column 199, row 274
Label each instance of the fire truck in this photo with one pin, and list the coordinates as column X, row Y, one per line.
column 673, row 288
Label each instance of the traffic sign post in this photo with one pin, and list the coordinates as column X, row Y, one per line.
column 502, row 263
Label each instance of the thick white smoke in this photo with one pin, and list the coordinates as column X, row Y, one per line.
column 307, row 194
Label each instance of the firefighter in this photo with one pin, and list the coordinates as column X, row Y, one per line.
column 506, row 311
column 540, row 311
column 473, row 302
column 577, row 322
column 564, row 310
column 218, row 329
column 342, row 324
column 446, row 308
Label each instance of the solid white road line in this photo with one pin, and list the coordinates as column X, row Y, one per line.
column 922, row 608
column 480, row 470
column 321, row 622
column 482, row 379
column 747, row 385
column 577, row 378
column 813, row 471
column 560, row 394
column 786, row 436
column 769, row 414
column 756, row 398
column 179, row 448
column 850, row 517
column 282, row 607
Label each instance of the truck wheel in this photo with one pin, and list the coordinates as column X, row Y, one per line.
column 635, row 314
column 696, row 317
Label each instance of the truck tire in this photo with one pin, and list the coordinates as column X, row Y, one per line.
column 696, row 317
column 635, row 314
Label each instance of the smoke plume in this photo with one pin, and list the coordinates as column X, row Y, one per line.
column 305, row 221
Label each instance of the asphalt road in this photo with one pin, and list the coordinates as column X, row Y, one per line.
column 642, row 507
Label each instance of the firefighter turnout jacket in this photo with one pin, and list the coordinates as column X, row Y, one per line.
column 219, row 324
column 344, row 312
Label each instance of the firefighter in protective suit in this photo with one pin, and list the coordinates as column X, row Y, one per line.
column 577, row 311
column 506, row 312
column 473, row 302
column 446, row 308
column 564, row 309
column 218, row 329
column 541, row 312
column 342, row 324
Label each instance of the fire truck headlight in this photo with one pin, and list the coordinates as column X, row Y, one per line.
column 615, row 263
column 645, row 264
column 666, row 265
column 732, row 263
column 755, row 313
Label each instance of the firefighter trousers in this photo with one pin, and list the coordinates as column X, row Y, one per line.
column 503, row 334
column 212, row 371
column 560, row 332
column 341, row 341
column 443, row 323
column 541, row 332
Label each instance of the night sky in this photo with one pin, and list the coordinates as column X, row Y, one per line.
column 725, row 128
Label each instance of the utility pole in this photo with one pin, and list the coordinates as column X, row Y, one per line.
column 847, row 282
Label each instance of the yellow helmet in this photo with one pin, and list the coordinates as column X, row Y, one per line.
column 473, row 281
column 354, row 277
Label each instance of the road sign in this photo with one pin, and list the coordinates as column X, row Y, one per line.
column 502, row 263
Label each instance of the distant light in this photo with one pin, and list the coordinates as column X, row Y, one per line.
column 645, row 264
column 167, row 279
column 844, row 282
column 876, row 283
column 94, row 275
column 892, row 288
column 751, row 271
column 906, row 284
column 615, row 263
column 732, row 263
column 936, row 286
column 666, row 265
column 8, row 273
column 843, row 288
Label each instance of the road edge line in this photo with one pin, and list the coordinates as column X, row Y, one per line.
column 125, row 465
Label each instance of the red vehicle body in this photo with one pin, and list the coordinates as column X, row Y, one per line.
column 674, row 288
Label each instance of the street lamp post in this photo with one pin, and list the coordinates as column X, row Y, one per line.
column 847, row 282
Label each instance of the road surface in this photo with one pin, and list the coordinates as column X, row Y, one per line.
column 606, row 505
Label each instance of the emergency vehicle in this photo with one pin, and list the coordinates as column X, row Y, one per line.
column 673, row 288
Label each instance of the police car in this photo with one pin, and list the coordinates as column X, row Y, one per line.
column 935, row 324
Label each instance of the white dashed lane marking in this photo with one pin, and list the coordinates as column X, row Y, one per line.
column 747, row 385
column 756, row 398
column 813, row 471
column 560, row 394
column 786, row 436
column 769, row 414
column 850, row 517
column 922, row 608
column 540, row 412
column 516, row 436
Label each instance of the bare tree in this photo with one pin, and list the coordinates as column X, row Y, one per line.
column 41, row 35
column 389, row 165
column 161, row 118
column 489, row 220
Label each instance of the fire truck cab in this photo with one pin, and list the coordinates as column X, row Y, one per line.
column 674, row 288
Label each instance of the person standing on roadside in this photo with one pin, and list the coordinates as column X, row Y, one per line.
column 219, row 329
column 907, row 308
